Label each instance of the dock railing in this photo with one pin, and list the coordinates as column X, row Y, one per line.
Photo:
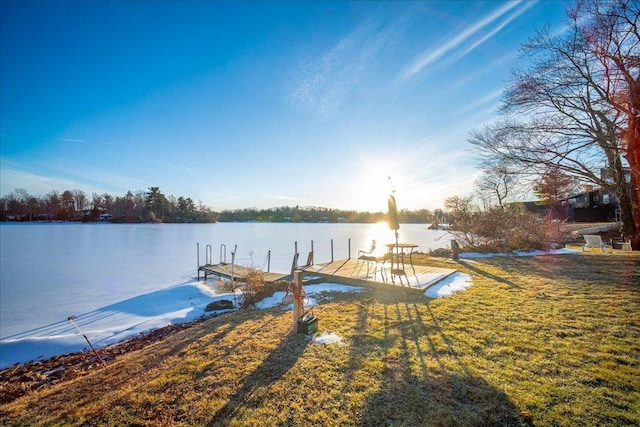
column 311, row 257
column 223, row 253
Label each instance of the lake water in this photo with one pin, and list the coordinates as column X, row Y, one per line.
column 49, row 271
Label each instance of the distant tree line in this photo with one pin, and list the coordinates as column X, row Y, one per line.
column 319, row 214
column 75, row 205
column 153, row 206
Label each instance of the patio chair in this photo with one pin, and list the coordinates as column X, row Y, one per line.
column 594, row 241
column 370, row 252
column 621, row 243
column 362, row 253
column 375, row 264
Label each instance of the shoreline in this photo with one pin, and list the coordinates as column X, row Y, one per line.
column 21, row 379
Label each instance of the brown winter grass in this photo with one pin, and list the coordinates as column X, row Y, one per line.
column 551, row 340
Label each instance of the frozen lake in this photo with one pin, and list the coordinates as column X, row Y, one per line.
column 121, row 279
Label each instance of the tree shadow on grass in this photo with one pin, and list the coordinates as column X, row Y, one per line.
column 474, row 267
column 446, row 400
column 426, row 382
column 255, row 388
column 594, row 268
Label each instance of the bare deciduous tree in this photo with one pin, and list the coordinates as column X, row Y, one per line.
column 496, row 183
column 561, row 113
column 612, row 31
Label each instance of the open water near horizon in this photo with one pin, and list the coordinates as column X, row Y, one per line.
column 51, row 270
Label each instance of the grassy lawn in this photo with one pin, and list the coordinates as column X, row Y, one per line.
column 551, row 340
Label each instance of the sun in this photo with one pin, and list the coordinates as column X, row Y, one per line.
column 371, row 192
column 376, row 179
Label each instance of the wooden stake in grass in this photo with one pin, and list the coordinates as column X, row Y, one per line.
column 72, row 319
column 298, row 299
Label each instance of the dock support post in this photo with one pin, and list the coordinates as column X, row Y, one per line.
column 269, row 261
column 349, row 247
column 311, row 257
column 298, row 299
column 233, row 264
column 331, row 250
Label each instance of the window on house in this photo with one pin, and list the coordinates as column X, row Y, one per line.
column 580, row 201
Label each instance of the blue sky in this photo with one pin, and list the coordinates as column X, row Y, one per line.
column 255, row 104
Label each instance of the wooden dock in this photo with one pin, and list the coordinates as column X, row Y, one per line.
column 223, row 270
column 346, row 271
column 357, row 273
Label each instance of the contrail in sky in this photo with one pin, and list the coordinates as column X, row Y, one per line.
column 430, row 57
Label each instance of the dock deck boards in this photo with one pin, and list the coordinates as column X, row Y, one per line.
column 348, row 272
column 239, row 272
column 352, row 272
